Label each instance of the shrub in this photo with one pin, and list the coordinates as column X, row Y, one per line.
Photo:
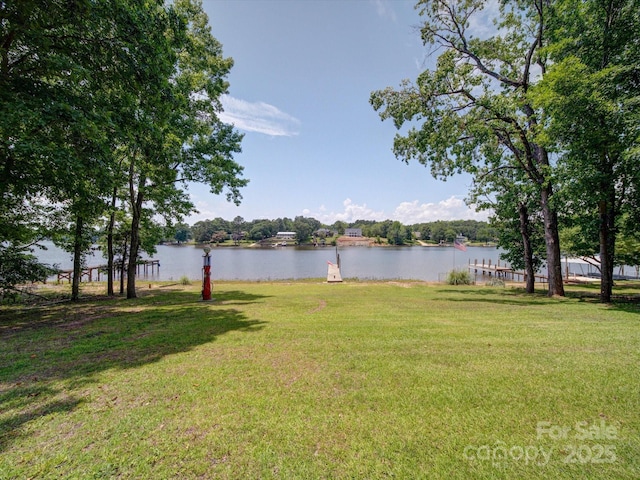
column 459, row 277
column 184, row 280
column 495, row 282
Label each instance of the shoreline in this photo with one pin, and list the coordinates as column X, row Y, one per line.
column 339, row 242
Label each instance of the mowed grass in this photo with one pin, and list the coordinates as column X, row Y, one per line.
column 311, row 380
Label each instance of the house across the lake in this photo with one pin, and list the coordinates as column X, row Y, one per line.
column 353, row 232
column 324, row 232
column 286, row 235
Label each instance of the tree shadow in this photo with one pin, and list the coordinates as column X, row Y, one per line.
column 620, row 301
column 625, row 296
column 500, row 296
column 33, row 403
column 49, row 352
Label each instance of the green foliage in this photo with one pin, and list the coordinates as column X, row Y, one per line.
column 628, row 243
column 304, row 227
column 495, row 282
column 189, row 143
column 217, row 237
column 397, row 234
column 203, row 231
column 109, row 106
column 459, row 277
column 590, row 97
column 471, row 114
column 340, row 226
column 182, row 233
column 18, row 265
column 261, row 229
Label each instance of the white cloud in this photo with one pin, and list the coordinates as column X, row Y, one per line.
column 205, row 211
column 452, row 208
column 408, row 213
column 481, row 24
column 385, row 10
column 210, row 206
column 258, row 117
column 351, row 213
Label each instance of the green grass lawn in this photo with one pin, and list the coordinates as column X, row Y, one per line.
column 311, row 380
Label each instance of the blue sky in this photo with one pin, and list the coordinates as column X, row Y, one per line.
column 299, row 91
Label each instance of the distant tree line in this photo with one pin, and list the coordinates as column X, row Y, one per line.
column 306, row 228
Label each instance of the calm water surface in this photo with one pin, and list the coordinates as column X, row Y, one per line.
column 228, row 263
column 282, row 263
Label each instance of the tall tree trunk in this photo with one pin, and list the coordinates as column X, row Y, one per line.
column 550, row 220
column 134, row 242
column 528, row 251
column 606, row 231
column 133, row 257
column 110, row 266
column 123, row 264
column 607, row 210
column 552, row 241
column 77, row 259
column 606, row 256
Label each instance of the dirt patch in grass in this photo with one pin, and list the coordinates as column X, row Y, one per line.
column 345, row 241
column 320, row 307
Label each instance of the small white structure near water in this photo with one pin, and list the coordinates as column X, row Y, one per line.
column 333, row 273
column 286, row 235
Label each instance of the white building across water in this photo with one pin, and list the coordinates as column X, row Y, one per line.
column 286, row 235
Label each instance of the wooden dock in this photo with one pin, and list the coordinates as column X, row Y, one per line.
column 89, row 273
column 501, row 271
column 582, row 279
column 489, row 269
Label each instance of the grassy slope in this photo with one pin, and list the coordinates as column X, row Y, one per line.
column 310, row 380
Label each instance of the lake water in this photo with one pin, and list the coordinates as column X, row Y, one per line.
column 282, row 263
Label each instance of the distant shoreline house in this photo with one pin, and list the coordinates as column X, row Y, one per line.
column 353, row 232
column 324, row 232
column 286, row 235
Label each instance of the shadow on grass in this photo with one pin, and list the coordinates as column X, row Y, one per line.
column 30, row 410
column 627, row 299
column 49, row 352
column 504, row 296
column 625, row 296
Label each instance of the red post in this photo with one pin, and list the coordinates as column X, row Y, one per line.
column 206, row 282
